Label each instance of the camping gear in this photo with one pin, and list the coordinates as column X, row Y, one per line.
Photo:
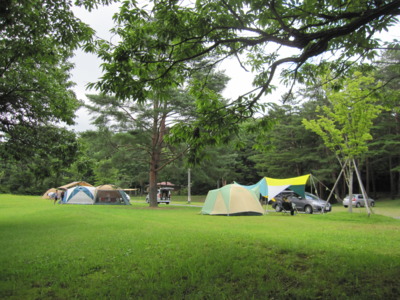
column 287, row 206
column 111, row 194
column 232, row 200
column 79, row 195
column 49, row 193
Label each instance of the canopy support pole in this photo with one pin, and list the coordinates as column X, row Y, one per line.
column 364, row 192
column 313, row 185
column 334, row 186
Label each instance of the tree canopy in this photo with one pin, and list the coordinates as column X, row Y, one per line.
column 37, row 39
column 165, row 36
column 345, row 123
column 149, row 121
column 161, row 41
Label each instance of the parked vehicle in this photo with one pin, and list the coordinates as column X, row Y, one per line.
column 311, row 203
column 358, row 201
column 163, row 195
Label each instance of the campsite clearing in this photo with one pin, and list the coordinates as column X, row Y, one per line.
column 120, row 252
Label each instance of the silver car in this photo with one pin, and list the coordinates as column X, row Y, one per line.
column 309, row 204
column 358, row 201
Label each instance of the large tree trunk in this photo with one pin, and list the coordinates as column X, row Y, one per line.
column 157, row 140
column 153, row 186
column 153, row 174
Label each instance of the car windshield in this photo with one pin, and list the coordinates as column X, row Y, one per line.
column 311, row 197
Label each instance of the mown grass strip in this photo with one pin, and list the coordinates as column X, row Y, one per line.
column 99, row 252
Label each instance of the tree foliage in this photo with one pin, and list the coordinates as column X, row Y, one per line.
column 37, row 39
column 345, row 123
column 165, row 36
column 385, row 149
column 162, row 40
column 27, row 168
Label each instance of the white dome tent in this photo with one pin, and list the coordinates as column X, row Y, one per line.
column 79, row 195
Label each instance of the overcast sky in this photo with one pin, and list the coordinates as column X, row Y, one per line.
column 87, row 66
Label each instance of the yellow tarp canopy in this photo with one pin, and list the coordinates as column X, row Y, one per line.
column 288, row 181
column 296, row 184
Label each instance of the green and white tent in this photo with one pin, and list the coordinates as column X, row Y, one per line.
column 232, row 200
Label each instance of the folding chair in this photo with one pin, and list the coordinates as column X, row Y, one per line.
column 288, row 207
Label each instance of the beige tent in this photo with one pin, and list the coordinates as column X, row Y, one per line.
column 110, row 194
column 46, row 194
column 73, row 184
column 232, row 200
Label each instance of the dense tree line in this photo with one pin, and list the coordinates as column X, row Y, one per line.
column 162, row 70
column 114, row 156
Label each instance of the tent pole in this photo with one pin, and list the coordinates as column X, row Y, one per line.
column 364, row 193
column 313, row 184
column 334, row 186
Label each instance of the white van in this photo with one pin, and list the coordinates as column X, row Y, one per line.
column 163, row 195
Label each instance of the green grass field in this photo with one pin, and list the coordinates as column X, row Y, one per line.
column 133, row 252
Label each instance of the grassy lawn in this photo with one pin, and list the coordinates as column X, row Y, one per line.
column 133, row 252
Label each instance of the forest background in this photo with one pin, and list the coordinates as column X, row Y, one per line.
column 105, row 155
column 114, row 153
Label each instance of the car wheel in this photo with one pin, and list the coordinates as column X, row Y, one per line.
column 358, row 204
column 345, row 206
column 308, row 209
column 167, row 203
column 372, row 204
column 278, row 208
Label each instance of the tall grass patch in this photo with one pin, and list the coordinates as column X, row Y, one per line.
column 128, row 252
